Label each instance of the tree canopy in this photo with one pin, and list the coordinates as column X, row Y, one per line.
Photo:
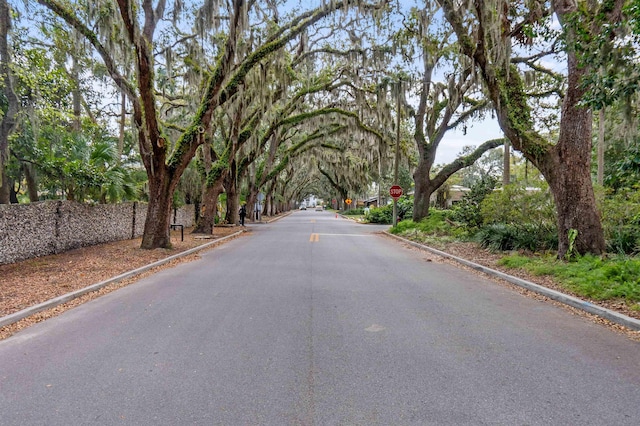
column 137, row 99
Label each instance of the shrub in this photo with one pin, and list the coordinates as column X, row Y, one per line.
column 514, row 204
column 621, row 222
column 354, row 212
column 505, row 237
column 467, row 211
column 405, row 207
column 623, row 240
column 382, row 214
column 496, row 237
column 434, row 224
column 516, row 218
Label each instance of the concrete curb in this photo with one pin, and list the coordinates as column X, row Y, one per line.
column 271, row 220
column 279, row 217
column 583, row 305
column 52, row 303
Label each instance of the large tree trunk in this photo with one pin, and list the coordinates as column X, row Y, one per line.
column 575, row 203
column 567, row 169
column 8, row 121
column 207, row 219
column 210, row 193
column 422, row 192
column 573, row 188
column 566, row 164
column 230, row 188
column 5, row 186
column 156, row 226
column 252, row 200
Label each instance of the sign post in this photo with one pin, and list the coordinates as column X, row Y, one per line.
column 396, row 192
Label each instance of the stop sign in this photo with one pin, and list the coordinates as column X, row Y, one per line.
column 395, row 191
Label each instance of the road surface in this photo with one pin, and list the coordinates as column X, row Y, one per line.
column 315, row 320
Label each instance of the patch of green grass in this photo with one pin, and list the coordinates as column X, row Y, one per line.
column 435, row 224
column 588, row 276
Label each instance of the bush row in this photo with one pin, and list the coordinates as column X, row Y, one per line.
column 517, row 218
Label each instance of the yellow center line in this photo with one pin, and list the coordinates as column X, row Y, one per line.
column 314, row 238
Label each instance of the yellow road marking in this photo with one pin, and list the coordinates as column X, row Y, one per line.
column 314, row 238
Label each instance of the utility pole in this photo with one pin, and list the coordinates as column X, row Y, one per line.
column 600, row 160
column 397, row 157
column 506, row 161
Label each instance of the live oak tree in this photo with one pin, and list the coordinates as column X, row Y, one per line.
column 490, row 33
column 141, row 22
column 317, row 103
column 444, row 103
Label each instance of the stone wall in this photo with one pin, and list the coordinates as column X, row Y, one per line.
column 27, row 230
column 49, row 227
column 185, row 215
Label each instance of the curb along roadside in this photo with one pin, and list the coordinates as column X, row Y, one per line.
column 271, row 220
column 574, row 302
column 52, row 303
column 278, row 217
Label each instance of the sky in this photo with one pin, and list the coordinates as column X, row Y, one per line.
column 455, row 140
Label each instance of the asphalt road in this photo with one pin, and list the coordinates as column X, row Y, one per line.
column 315, row 320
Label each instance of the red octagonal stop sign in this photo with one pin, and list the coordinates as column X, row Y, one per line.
column 395, row 191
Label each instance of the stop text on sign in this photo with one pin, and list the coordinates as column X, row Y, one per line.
column 395, row 191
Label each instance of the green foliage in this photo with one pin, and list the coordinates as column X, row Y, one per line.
column 505, row 237
column 514, row 204
column 467, row 211
column 436, row 224
column 588, row 276
column 384, row 214
column 621, row 222
column 405, row 179
column 610, row 56
column 622, row 169
column 405, row 207
column 516, row 218
column 354, row 212
column 571, row 251
column 434, row 230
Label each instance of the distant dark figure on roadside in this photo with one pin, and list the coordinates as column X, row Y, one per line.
column 243, row 214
